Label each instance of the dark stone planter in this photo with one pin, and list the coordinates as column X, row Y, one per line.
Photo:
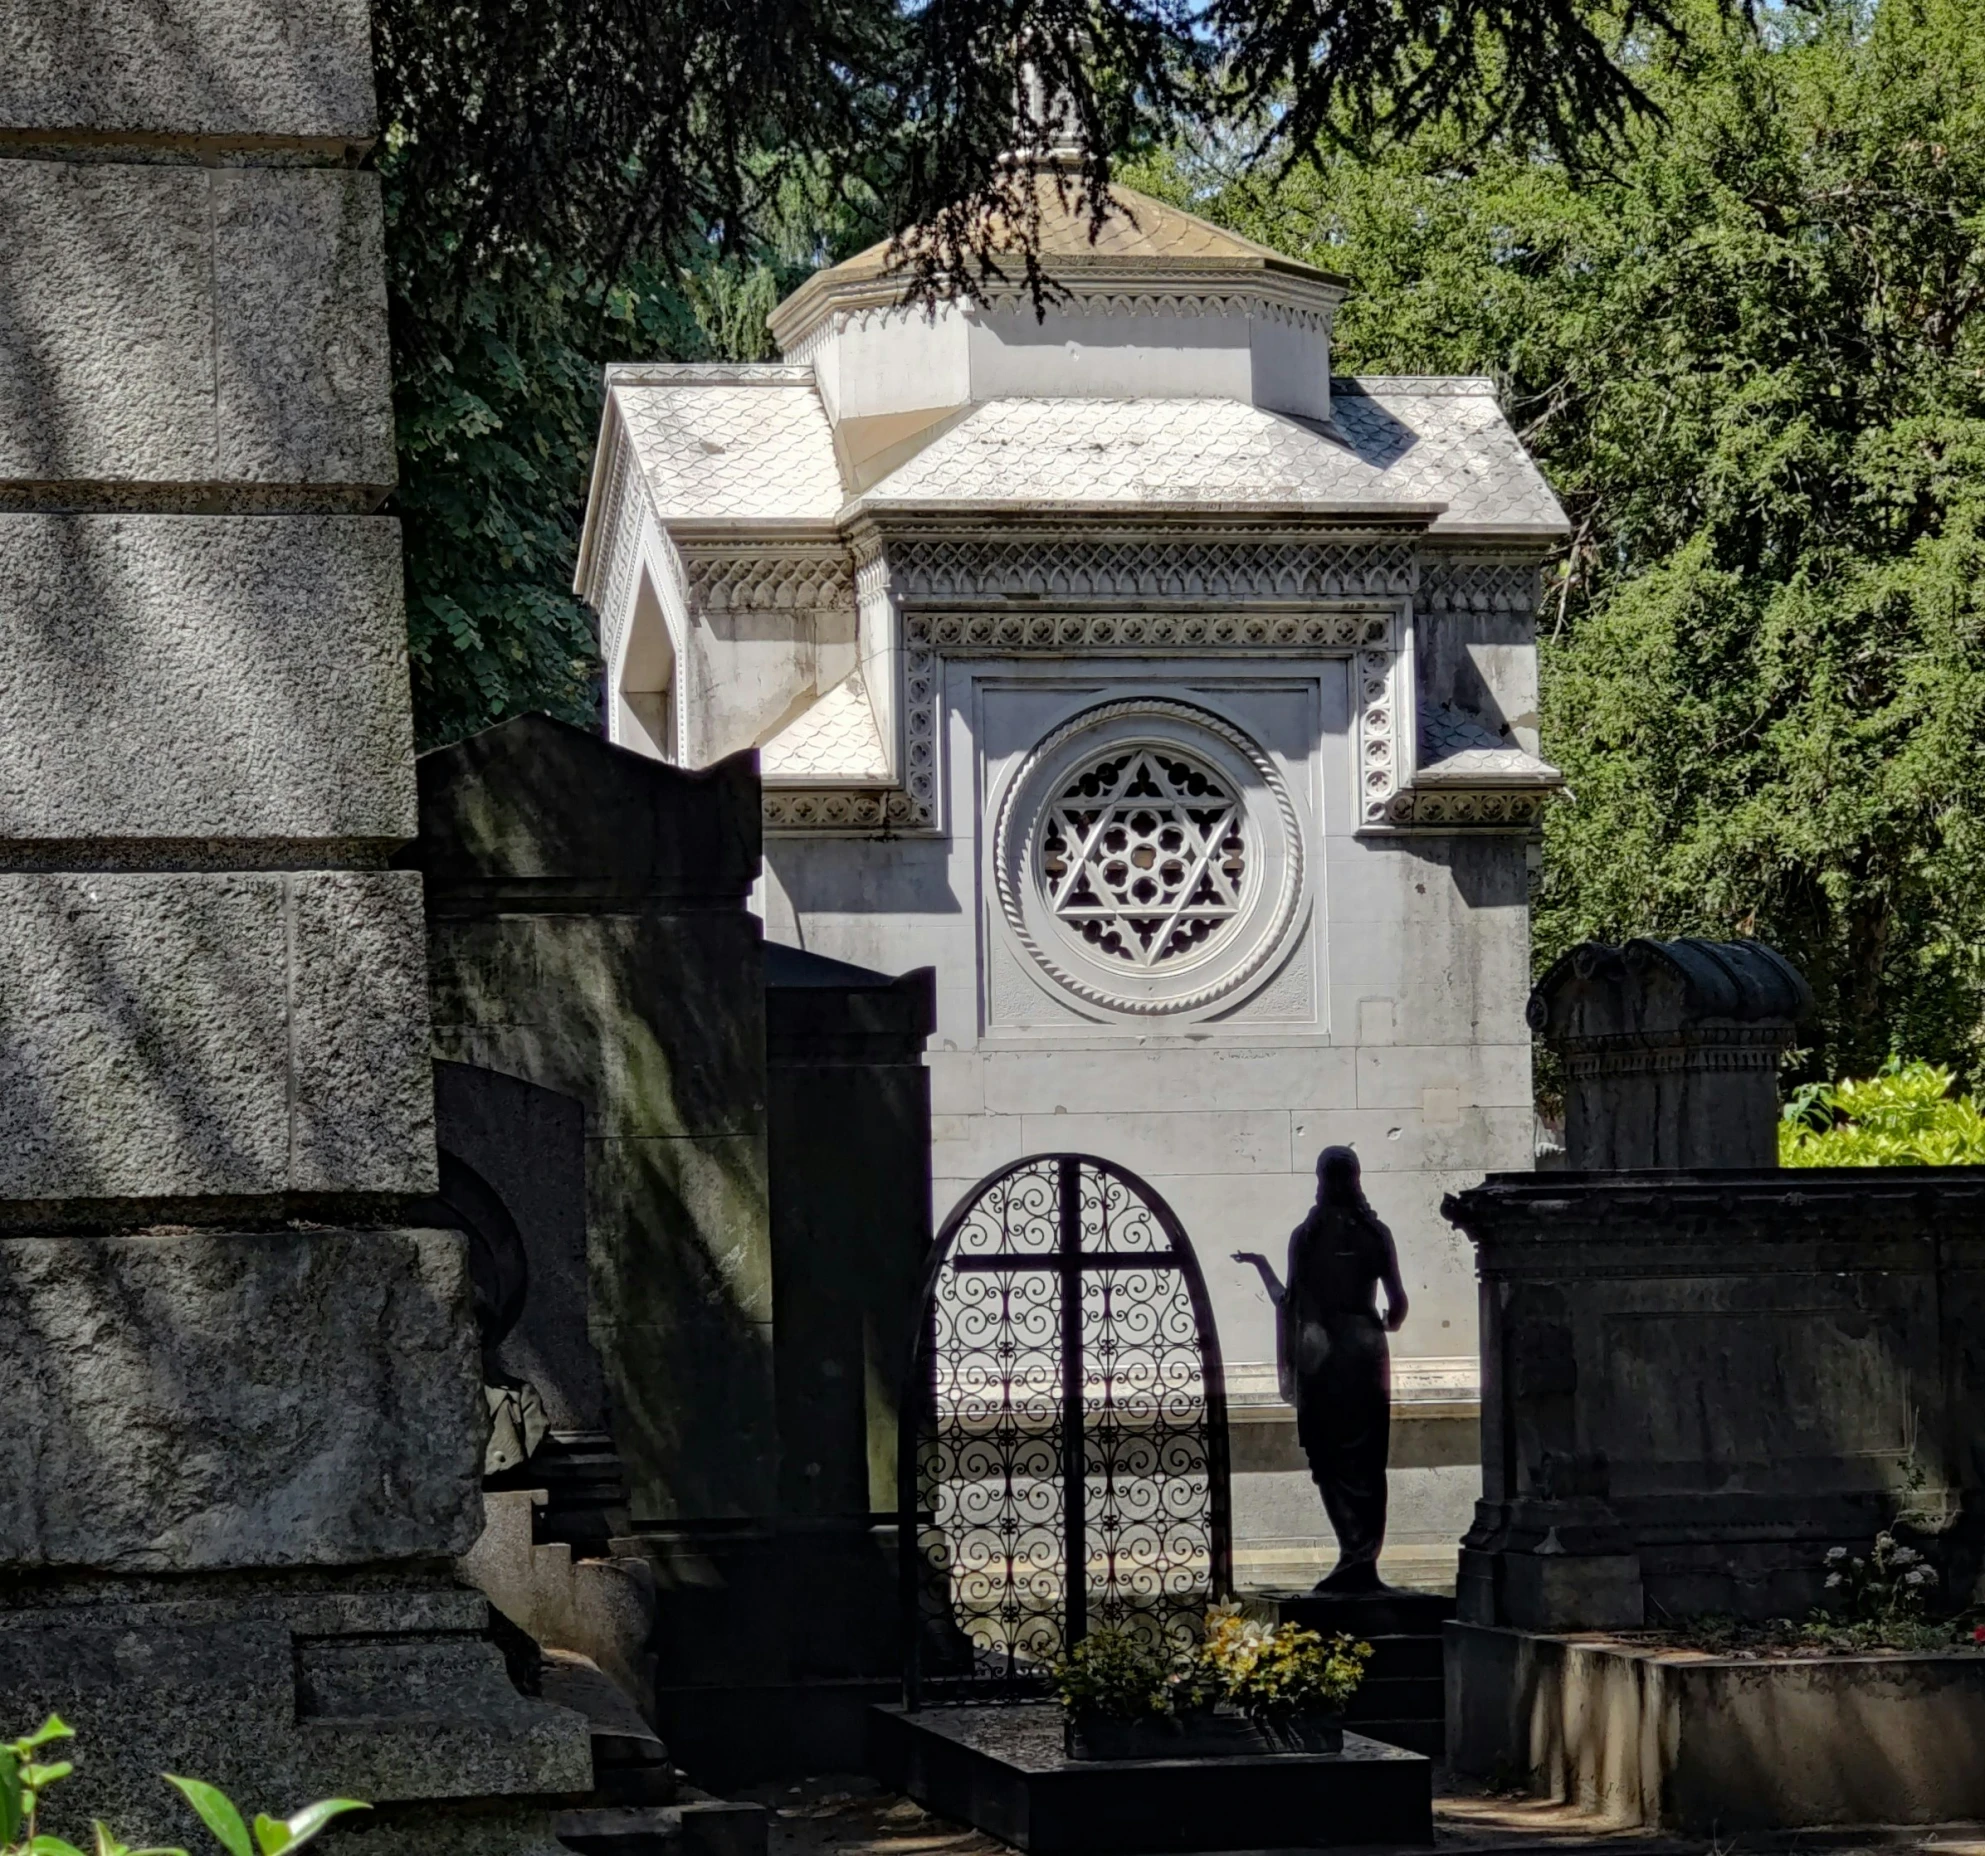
column 1002, row 1768
column 1219, row 1735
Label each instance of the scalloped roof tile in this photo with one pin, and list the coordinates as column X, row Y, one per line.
column 722, row 442
column 1397, row 443
column 1460, row 749
column 834, row 742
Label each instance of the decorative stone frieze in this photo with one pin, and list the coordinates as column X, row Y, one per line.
column 811, row 581
column 1170, row 567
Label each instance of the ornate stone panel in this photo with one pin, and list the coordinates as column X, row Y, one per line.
column 1019, row 596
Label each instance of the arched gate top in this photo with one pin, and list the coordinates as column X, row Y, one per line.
column 1065, row 1409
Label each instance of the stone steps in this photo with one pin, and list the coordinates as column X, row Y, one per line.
column 1403, row 1699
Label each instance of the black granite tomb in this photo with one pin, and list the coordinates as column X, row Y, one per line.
column 1001, row 1768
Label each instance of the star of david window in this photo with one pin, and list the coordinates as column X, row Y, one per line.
column 1148, row 858
column 1145, row 854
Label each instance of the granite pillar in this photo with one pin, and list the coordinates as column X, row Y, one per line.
column 246, row 1427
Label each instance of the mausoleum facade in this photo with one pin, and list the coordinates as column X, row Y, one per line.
column 1173, row 698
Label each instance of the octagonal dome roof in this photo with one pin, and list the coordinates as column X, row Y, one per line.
column 1141, row 238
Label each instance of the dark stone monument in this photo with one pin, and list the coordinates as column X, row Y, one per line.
column 513, row 1170
column 1004, row 1770
column 754, row 1155
column 782, row 1633
column 1696, row 1381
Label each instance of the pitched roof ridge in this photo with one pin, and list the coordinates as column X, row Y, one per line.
column 709, row 373
column 1374, row 386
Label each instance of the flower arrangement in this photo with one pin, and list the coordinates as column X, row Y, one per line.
column 1891, row 1584
column 1244, row 1687
column 1272, row 1673
column 1123, row 1677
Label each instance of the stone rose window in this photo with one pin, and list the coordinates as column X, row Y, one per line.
column 1145, row 854
column 1148, row 858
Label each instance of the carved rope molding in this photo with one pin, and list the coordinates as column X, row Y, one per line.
column 1009, row 880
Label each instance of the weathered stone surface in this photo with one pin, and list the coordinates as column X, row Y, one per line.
column 143, row 1036
column 203, row 677
column 234, row 1690
column 303, row 385
column 212, row 1034
column 225, row 68
column 1693, row 1385
column 1714, row 1745
column 194, row 327
column 212, row 1400
column 363, row 1118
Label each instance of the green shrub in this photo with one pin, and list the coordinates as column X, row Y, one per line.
column 1119, row 1673
column 1906, row 1115
column 25, row 1777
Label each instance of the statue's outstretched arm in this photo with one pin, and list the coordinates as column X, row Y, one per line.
column 1269, row 1280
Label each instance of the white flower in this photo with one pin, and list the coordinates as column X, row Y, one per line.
column 1832, row 1580
column 1921, row 1576
column 1906, row 1556
column 1834, row 1555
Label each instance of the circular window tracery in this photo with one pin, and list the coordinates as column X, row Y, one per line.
column 1144, row 853
column 1149, row 857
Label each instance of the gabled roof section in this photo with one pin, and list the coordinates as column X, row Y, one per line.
column 1440, row 448
column 717, row 443
column 1139, row 233
column 1459, row 749
column 835, row 742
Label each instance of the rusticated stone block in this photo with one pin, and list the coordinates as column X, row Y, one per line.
column 212, row 329
column 208, row 1400
column 236, row 69
column 280, row 1694
column 203, row 677
column 363, row 1118
column 208, row 1034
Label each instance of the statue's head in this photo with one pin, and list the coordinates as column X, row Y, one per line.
column 1337, row 1177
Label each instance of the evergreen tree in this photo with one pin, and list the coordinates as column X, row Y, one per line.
column 575, row 181
column 1746, row 347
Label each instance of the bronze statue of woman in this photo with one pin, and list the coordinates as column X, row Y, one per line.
column 1332, row 1360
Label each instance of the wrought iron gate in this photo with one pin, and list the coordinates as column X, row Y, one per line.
column 1065, row 1409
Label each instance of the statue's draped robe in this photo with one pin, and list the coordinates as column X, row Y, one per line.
column 1342, row 1370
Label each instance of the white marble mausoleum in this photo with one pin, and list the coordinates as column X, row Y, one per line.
column 1171, row 696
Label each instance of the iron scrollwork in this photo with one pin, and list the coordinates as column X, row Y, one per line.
column 1065, row 1409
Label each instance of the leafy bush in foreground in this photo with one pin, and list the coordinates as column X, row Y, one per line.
column 1904, row 1115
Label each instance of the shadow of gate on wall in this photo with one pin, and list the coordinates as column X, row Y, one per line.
column 1065, row 1408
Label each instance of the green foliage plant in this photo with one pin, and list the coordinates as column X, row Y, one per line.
column 26, row 1774
column 1121, row 1674
column 1270, row 1673
column 1908, row 1114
